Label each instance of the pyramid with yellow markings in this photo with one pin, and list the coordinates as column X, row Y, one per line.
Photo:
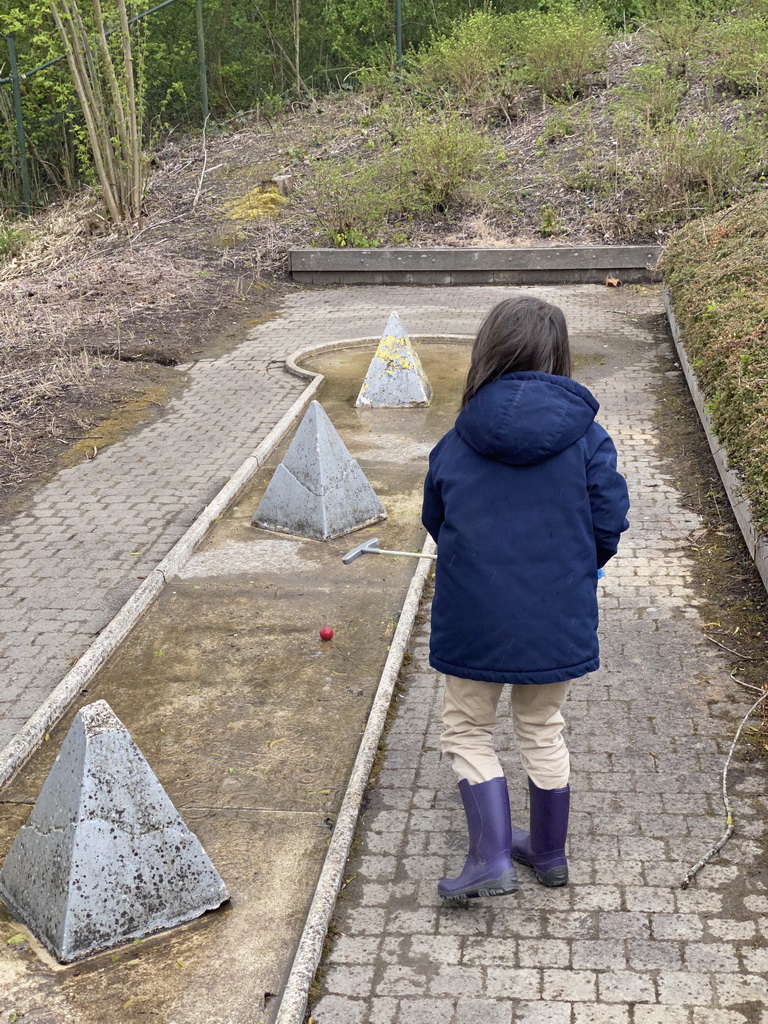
column 395, row 378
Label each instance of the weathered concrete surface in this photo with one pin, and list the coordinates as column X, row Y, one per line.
column 649, row 734
column 105, row 856
column 537, row 266
column 70, row 560
column 395, row 377
column 251, row 723
column 733, row 482
column 318, row 490
column 210, row 971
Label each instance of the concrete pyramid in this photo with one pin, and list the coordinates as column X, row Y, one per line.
column 105, row 856
column 318, row 490
column 395, row 377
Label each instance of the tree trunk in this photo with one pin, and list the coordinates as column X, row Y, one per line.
column 107, row 93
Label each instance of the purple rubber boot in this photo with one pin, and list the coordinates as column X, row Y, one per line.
column 488, row 870
column 543, row 848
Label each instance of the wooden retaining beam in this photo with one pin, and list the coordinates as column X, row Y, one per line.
column 631, row 264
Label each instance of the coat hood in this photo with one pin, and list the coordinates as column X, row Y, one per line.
column 524, row 418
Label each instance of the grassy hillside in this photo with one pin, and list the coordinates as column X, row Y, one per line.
column 717, row 272
column 544, row 126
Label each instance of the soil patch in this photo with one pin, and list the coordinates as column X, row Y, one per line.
column 100, row 351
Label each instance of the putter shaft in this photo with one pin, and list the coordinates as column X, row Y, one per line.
column 409, row 554
column 371, row 547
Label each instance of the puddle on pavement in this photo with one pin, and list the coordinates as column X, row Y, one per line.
column 250, row 721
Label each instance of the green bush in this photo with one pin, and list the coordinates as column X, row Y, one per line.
column 693, row 168
column 354, row 201
column 559, row 126
column 649, row 99
column 440, row 157
column 665, row 177
column 673, row 34
column 487, row 57
column 467, row 60
column 735, row 53
column 550, row 222
column 12, row 241
column 430, row 167
column 379, row 80
column 560, row 49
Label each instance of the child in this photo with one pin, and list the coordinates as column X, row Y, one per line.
column 525, row 504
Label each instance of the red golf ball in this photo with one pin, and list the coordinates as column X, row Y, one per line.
column 326, row 633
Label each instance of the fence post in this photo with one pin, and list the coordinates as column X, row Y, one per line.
column 399, row 32
column 201, row 58
column 25, row 189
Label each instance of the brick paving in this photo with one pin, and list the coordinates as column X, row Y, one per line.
column 649, row 732
column 76, row 553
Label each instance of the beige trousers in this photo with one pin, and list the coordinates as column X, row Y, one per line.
column 469, row 720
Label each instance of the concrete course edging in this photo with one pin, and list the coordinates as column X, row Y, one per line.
column 34, row 730
column 296, row 992
column 757, row 543
column 292, row 363
column 13, row 757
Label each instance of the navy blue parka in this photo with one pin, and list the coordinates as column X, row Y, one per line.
column 525, row 503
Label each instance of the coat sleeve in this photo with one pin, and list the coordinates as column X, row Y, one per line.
column 608, row 499
column 432, row 510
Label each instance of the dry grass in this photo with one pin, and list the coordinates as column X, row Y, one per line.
column 717, row 273
column 78, row 303
column 78, row 299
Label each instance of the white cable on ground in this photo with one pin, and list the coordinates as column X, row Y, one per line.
column 729, row 826
column 307, row 959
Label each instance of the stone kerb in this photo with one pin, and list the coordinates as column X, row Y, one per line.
column 105, row 856
column 547, row 265
column 757, row 543
column 318, row 490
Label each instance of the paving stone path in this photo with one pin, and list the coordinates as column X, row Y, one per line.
column 83, row 544
column 649, row 732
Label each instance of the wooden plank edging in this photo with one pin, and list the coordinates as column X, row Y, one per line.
column 452, row 266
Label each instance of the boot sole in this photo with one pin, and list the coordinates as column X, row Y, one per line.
column 502, row 886
column 552, row 879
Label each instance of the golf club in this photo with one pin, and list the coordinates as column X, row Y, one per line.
column 371, row 547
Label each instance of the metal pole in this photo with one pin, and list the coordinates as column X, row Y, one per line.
column 399, row 32
column 201, row 58
column 25, row 189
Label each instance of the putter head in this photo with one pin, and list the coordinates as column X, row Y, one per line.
column 367, row 548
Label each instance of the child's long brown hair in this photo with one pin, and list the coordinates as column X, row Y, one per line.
column 518, row 334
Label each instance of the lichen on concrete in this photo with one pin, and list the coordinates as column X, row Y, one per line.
column 318, row 490
column 395, row 377
column 105, row 856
